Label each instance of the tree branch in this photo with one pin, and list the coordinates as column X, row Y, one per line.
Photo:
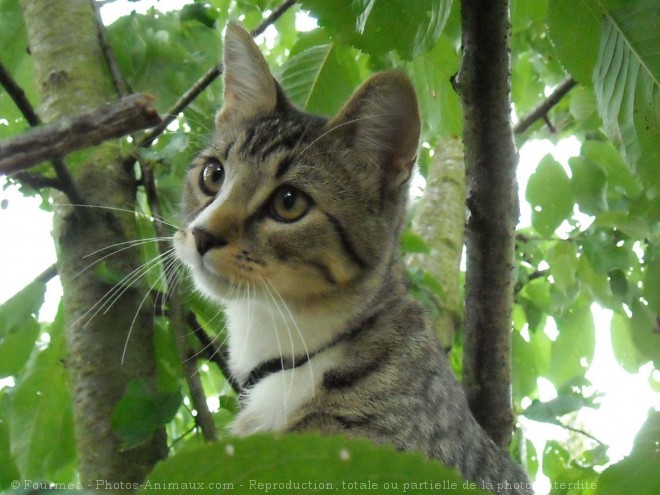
column 79, row 131
column 491, row 159
column 541, row 111
column 64, row 181
column 18, row 95
column 117, row 76
column 212, row 352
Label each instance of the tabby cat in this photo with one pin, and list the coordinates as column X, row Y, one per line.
column 292, row 222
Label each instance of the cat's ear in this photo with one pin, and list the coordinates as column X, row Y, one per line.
column 381, row 120
column 249, row 85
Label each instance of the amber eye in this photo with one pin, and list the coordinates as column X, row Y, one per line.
column 289, row 204
column 212, row 177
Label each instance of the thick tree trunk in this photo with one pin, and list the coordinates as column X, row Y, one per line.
column 72, row 77
column 483, row 83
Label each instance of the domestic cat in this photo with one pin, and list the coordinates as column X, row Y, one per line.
column 292, row 222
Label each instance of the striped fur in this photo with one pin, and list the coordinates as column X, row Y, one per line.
column 292, row 222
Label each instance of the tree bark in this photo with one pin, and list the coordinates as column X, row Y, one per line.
column 72, row 77
column 483, row 83
column 70, row 134
column 440, row 220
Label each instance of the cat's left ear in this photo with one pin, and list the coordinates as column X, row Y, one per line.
column 381, row 121
column 250, row 89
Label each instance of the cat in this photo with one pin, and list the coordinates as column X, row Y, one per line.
column 292, row 222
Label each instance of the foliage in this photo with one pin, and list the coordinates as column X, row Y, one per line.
column 594, row 236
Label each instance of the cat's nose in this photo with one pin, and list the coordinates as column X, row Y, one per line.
column 205, row 241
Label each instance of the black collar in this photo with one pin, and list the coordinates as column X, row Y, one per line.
column 275, row 365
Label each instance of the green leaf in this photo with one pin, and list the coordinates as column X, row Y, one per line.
column 589, row 184
column 320, row 78
column 21, row 306
column 549, row 193
column 573, row 350
column 575, row 30
column 304, row 464
column 609, row 159
column 141, row 411
column 439, row 104
column 651, row 291
column 163, row 54
column 563, row 261
column 19, row 328
column 413, row 243
column 623, row 345
column 8, row 470
column 550, row 411
column 377, row 27
column 638, row 473
column 40, row 415
column 627, row 85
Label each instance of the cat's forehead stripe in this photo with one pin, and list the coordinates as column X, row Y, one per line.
column 266, row 137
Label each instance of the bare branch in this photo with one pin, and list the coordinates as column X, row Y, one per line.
column 541, row 111
column 212, row 352
column 203, row 418
column 276, row 14
column 117, row 76
column 185, row 100
column 491, row 159
column 18, row 95
column 76, row 132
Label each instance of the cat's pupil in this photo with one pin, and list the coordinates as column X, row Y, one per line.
column 288, row 199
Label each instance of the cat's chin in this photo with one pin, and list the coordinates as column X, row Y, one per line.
column 214, row 286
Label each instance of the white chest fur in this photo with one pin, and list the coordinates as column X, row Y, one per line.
column 259, row 332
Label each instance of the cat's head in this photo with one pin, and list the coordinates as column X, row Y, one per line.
column 290, row 202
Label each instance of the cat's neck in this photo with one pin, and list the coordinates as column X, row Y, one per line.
column 261, row 330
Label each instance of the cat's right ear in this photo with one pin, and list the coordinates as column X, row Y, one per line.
column 249, row 85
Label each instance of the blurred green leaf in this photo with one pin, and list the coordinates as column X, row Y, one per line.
column 573, row 350
column 140, row 412
column 549, row 193
column 638, row 473
column 589, row 185
column 320, row 78
column 627, row 85
column 40, row 414
column 369, row 25
column 333, row 463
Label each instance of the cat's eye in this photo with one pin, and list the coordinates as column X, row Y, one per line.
column 212, row 177
column 289, row 204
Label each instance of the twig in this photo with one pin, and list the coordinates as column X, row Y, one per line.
column 204, row 419
column 117, row 76
column 37, row 181
column 47, row 274
column 581, row 432
column 212, row 352
column 76, row 132
column 541, row 111
column 18, row 95
column 185, row 100
column 274, row 15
